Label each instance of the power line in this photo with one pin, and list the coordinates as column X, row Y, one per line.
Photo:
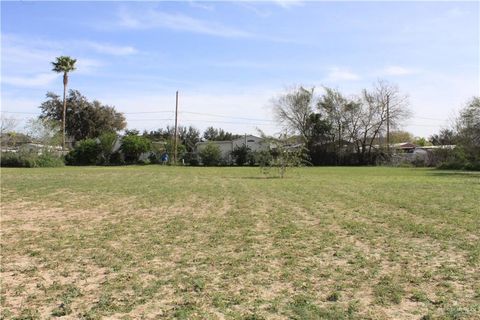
column 150, row 119
column 429, row 118
column 423, row 125
column 145, row 112
column 20, row 112
column 224, row 116
column 228, row 122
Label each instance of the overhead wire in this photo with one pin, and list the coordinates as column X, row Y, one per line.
column 256, row 121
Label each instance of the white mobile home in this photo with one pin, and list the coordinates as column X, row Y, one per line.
column 226, row 147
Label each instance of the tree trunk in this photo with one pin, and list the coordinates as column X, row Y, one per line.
column 65, row 82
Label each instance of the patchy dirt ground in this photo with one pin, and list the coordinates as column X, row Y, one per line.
column 324, row 243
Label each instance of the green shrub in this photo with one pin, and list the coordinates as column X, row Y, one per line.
column 211, row 155
column 86, row 152
column 191, row 159
column 116, row 158
column 264, row 158
column 240, row 155
column 30, row 160
column 456, row 159
column 49, row 160
column 133, row 146
column 106, row 142
column 155, row 158
column 14, row 159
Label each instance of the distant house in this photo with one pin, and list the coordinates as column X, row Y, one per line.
column 410, row 152
column 226, row 147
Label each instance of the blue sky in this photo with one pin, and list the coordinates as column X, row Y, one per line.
column 231, row 58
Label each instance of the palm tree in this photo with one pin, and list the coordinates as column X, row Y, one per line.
column 64, row 64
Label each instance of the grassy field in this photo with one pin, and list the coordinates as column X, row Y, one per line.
column 225, row 243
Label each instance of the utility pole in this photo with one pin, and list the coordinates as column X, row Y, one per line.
column 176, row 130
column 388, row 123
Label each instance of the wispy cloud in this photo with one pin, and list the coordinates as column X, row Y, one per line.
column 150, row 19
column 341, row 74
column 397, row 71
column 26, row 62
column 286, row 4
column 111, row 49
column 201, row 4
column 37, row 80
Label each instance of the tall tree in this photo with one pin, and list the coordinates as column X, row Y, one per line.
column 333, row 104
column 64, row 64
column 293, row 109
column 361, row 120
column 468, row 128
column 84, row 119
column 446, row 136
column 212, row 134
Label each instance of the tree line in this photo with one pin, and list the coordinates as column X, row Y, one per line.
column 333, row 128
column 338, row 129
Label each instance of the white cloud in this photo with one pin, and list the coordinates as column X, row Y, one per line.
column 201, row 4
column 150, row 19
column 286, row 4
column 37, row 80
column 111, row 49
column 341, row 74
column 397, row 71
column 27, row 62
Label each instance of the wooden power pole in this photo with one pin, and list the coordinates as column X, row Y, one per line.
column 176, row 130
column 388, row 123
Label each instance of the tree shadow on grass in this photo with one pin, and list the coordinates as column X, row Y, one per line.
column 454, row 173
column 263, row 178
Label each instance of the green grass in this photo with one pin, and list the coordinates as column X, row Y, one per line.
column 212, row 243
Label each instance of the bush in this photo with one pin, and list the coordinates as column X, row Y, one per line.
column 155, row 158
column 13, row 159
column 191, row 159
column 30, row 160
column 116, row 158
column 264, row 158
column 49, row 160
column 252, row 158
column 211, row 155
column 455, row 159
column 133, row 146
column 241, row 155
column 86, row 152
column 107, row 142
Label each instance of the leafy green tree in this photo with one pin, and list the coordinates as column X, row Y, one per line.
column 285, row 152
column 212, row 134
column 84, row 119
column 400, row 136
column 188, row 136
column 468, row 132
column 133, row 146
column 421, row 141
column 211, row 155
column 465, row 135
column 106, row 142
column 444, row 137
column 241, row 155
column 64, row 64
column 86, row 152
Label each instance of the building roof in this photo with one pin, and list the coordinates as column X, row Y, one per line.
column 228, row 141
